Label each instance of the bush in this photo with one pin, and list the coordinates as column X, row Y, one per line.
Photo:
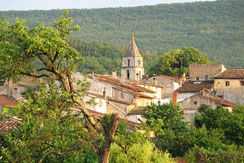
column 200, row 154
column 140, row 152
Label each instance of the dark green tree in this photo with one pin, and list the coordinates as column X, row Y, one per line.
column 176, row 62
column 167, row 122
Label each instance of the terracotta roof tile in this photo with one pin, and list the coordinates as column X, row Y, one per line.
column 127, row 86
column 191, row 86
column 231, row 74
column 220, row 101
column 7, row 126
column 7, row 101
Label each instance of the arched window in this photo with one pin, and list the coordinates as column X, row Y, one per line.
column 128, row 63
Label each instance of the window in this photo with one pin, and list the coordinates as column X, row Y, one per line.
column 206, row 77
column 197, row 78
column 227, row 83
column 242, row 83
column 195, row 102
column 128, row 63
column 128, row 74
column 139, row 62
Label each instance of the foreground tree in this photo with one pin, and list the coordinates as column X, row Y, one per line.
column 48, row 131
column 230, row 123
column 167, row 122
column 21, row 48
column 176, row 62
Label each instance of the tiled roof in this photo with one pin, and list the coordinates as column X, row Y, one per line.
column 8, row 126
column 127, row 86
column 220, row 101
column 212, row 98
column 7, row 101
column 177, row 80
column 231, row 74
column 191, row 86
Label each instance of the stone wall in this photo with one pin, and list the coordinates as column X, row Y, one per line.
column 233, row 91
column 204, row 71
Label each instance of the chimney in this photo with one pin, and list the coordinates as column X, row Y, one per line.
column 114, row 74
column 175, row 97
column 122, row 80
column 184, row 77
column 10, row 88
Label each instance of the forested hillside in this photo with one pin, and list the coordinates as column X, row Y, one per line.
column 102, row 58
column 215, row 28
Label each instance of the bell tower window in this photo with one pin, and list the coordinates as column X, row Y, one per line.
column 128, row 74
column 128, row 63
column 139, row 62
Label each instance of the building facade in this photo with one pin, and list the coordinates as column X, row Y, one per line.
column 132, row 63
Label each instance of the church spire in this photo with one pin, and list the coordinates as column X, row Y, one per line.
column 132, row 50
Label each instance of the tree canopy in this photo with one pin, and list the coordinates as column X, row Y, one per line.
column 176, row 62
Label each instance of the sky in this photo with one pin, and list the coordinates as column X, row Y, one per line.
column 78, row 4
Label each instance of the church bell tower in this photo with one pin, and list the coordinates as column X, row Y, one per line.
column 132, row 63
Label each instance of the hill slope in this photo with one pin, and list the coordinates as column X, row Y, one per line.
column 215, row 28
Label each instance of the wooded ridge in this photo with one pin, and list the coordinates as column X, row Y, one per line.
column 215, row 28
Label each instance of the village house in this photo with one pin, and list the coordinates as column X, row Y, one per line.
column 191, row 104
column 168, row 83
column 229, row 85
column 203, row 72
column 190, row 88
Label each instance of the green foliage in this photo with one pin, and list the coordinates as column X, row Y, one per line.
column 49, row 130
column 199, row 154
column 103, row 58
column 167, row 122
column 144, row 152
column 176, row 62
column 21, row 48
column 165, row 116
column 231, row 124
column 215, row 28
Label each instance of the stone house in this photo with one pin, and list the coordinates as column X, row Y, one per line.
column 201, row 72
column 190, row 88
column 15, row 89
column 191, row 104
column 229, row 85
column 168, row 83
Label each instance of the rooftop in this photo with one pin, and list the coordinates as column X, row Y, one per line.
column 231, row 74
column 132, row 50
column 7, row 101
column 191, row 86
column 126, row 86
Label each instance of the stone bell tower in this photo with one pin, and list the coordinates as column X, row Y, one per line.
column 132, row 63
